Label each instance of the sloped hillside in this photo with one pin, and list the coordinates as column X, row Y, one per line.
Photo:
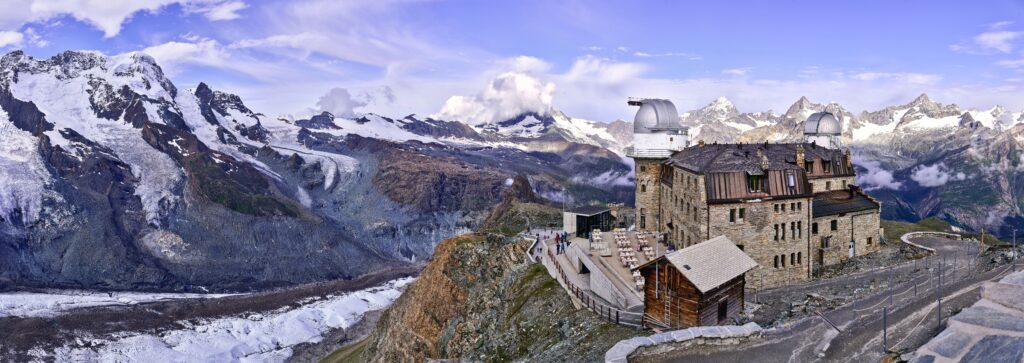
column 478, row 299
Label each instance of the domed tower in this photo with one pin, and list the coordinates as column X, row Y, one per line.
column 657, row 134
column 824, row 130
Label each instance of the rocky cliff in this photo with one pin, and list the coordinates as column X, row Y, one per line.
column 480, row 299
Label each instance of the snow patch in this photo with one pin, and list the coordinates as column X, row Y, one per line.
column 23, row 174
column 57, row 302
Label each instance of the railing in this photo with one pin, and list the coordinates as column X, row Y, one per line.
column 648, row 153
column 606, row 312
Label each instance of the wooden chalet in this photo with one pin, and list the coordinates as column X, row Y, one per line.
column 698, row 285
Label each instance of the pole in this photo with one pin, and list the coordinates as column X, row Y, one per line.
column 890, row 286
column 885, row 329
column 1014, row 261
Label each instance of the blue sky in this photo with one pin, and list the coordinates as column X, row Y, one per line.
column 581, row 57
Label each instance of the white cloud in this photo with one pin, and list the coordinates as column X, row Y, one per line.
column 995, row 39
column 998, row 40
column 508, row 95
column 876, row 177
column 737, row 71
column 217, row 10
column 934, row 175
column 172, row 55
column 339, row 102
column 8, row 38
column 526, row 64
column 688, row 56
column 602, row 70
column 913, row 78
column 106, row 15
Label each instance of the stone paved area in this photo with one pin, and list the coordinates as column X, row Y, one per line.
column 992, row 330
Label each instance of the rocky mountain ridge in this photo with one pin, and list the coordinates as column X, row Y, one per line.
column 113, row 177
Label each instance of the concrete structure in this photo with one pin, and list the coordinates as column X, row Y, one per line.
column 582, row 221
column 992, row 330
column 699, row 285
column 657, row 134
column 765, row 198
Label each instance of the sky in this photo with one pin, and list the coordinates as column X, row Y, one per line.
column 480, row 61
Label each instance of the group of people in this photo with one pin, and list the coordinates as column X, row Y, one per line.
column 561, row 240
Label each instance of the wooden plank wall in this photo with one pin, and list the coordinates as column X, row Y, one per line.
column 687, row 307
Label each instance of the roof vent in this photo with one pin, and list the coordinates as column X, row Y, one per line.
column 687, row 267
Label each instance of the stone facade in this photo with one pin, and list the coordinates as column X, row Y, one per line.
column 833, row 246
column 776, row 230
column 826, row 184
column 648, row 190
column 774, row 236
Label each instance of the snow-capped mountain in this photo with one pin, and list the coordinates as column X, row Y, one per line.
column 114, row 177
column 720, row 121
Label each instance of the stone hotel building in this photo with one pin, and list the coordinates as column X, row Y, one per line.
column 791, row 207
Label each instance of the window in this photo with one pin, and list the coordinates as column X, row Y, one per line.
column 809, row 165
column 792, row 206
column 814, row 228
column 643, row 188
column 723, row 311
column 869, row 241
column 643, row 168
column 643, row 221
column 826, row 166
column 828, row 185
column 732, row 215
column 792, row 259
column 783, row 207
column 776, row 208
column 844, row 183
column 783, row 231
column 835, row 225
column 792, row 229
column 799, row 259
column 791, row 180
column 755, row 183
column 783, row 260
column 743, row 212
column 776, row 261
column 800, row 229
column 776, row 232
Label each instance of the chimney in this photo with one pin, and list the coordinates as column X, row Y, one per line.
column 849, row 159
column 700, row 143
column 800, row 155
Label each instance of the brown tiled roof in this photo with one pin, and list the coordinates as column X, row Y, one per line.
column 842, row 201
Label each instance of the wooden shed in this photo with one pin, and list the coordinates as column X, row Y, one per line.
column 698, row 285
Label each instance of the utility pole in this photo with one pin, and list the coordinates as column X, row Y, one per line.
column 885, row 329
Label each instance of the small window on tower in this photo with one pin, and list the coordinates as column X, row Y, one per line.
column 643, row 169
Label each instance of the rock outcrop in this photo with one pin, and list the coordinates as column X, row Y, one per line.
column 479, row 299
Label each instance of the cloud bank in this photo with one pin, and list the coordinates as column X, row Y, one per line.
column 934, row 175
column 876, row 177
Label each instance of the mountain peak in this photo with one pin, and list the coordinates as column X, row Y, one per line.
column 922, row 100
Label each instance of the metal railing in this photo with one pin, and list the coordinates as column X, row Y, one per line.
column 606, row 312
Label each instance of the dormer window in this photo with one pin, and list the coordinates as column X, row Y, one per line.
column 826, row 166
column 755, row 183
column 809, row 166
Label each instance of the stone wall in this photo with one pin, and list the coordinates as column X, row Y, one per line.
column 685, row 206
column 821, row 184
column 755, row 233
column 648, row 186
column 859, row 226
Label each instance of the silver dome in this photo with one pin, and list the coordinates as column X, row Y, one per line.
column 655, row 115
column 823, row 123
